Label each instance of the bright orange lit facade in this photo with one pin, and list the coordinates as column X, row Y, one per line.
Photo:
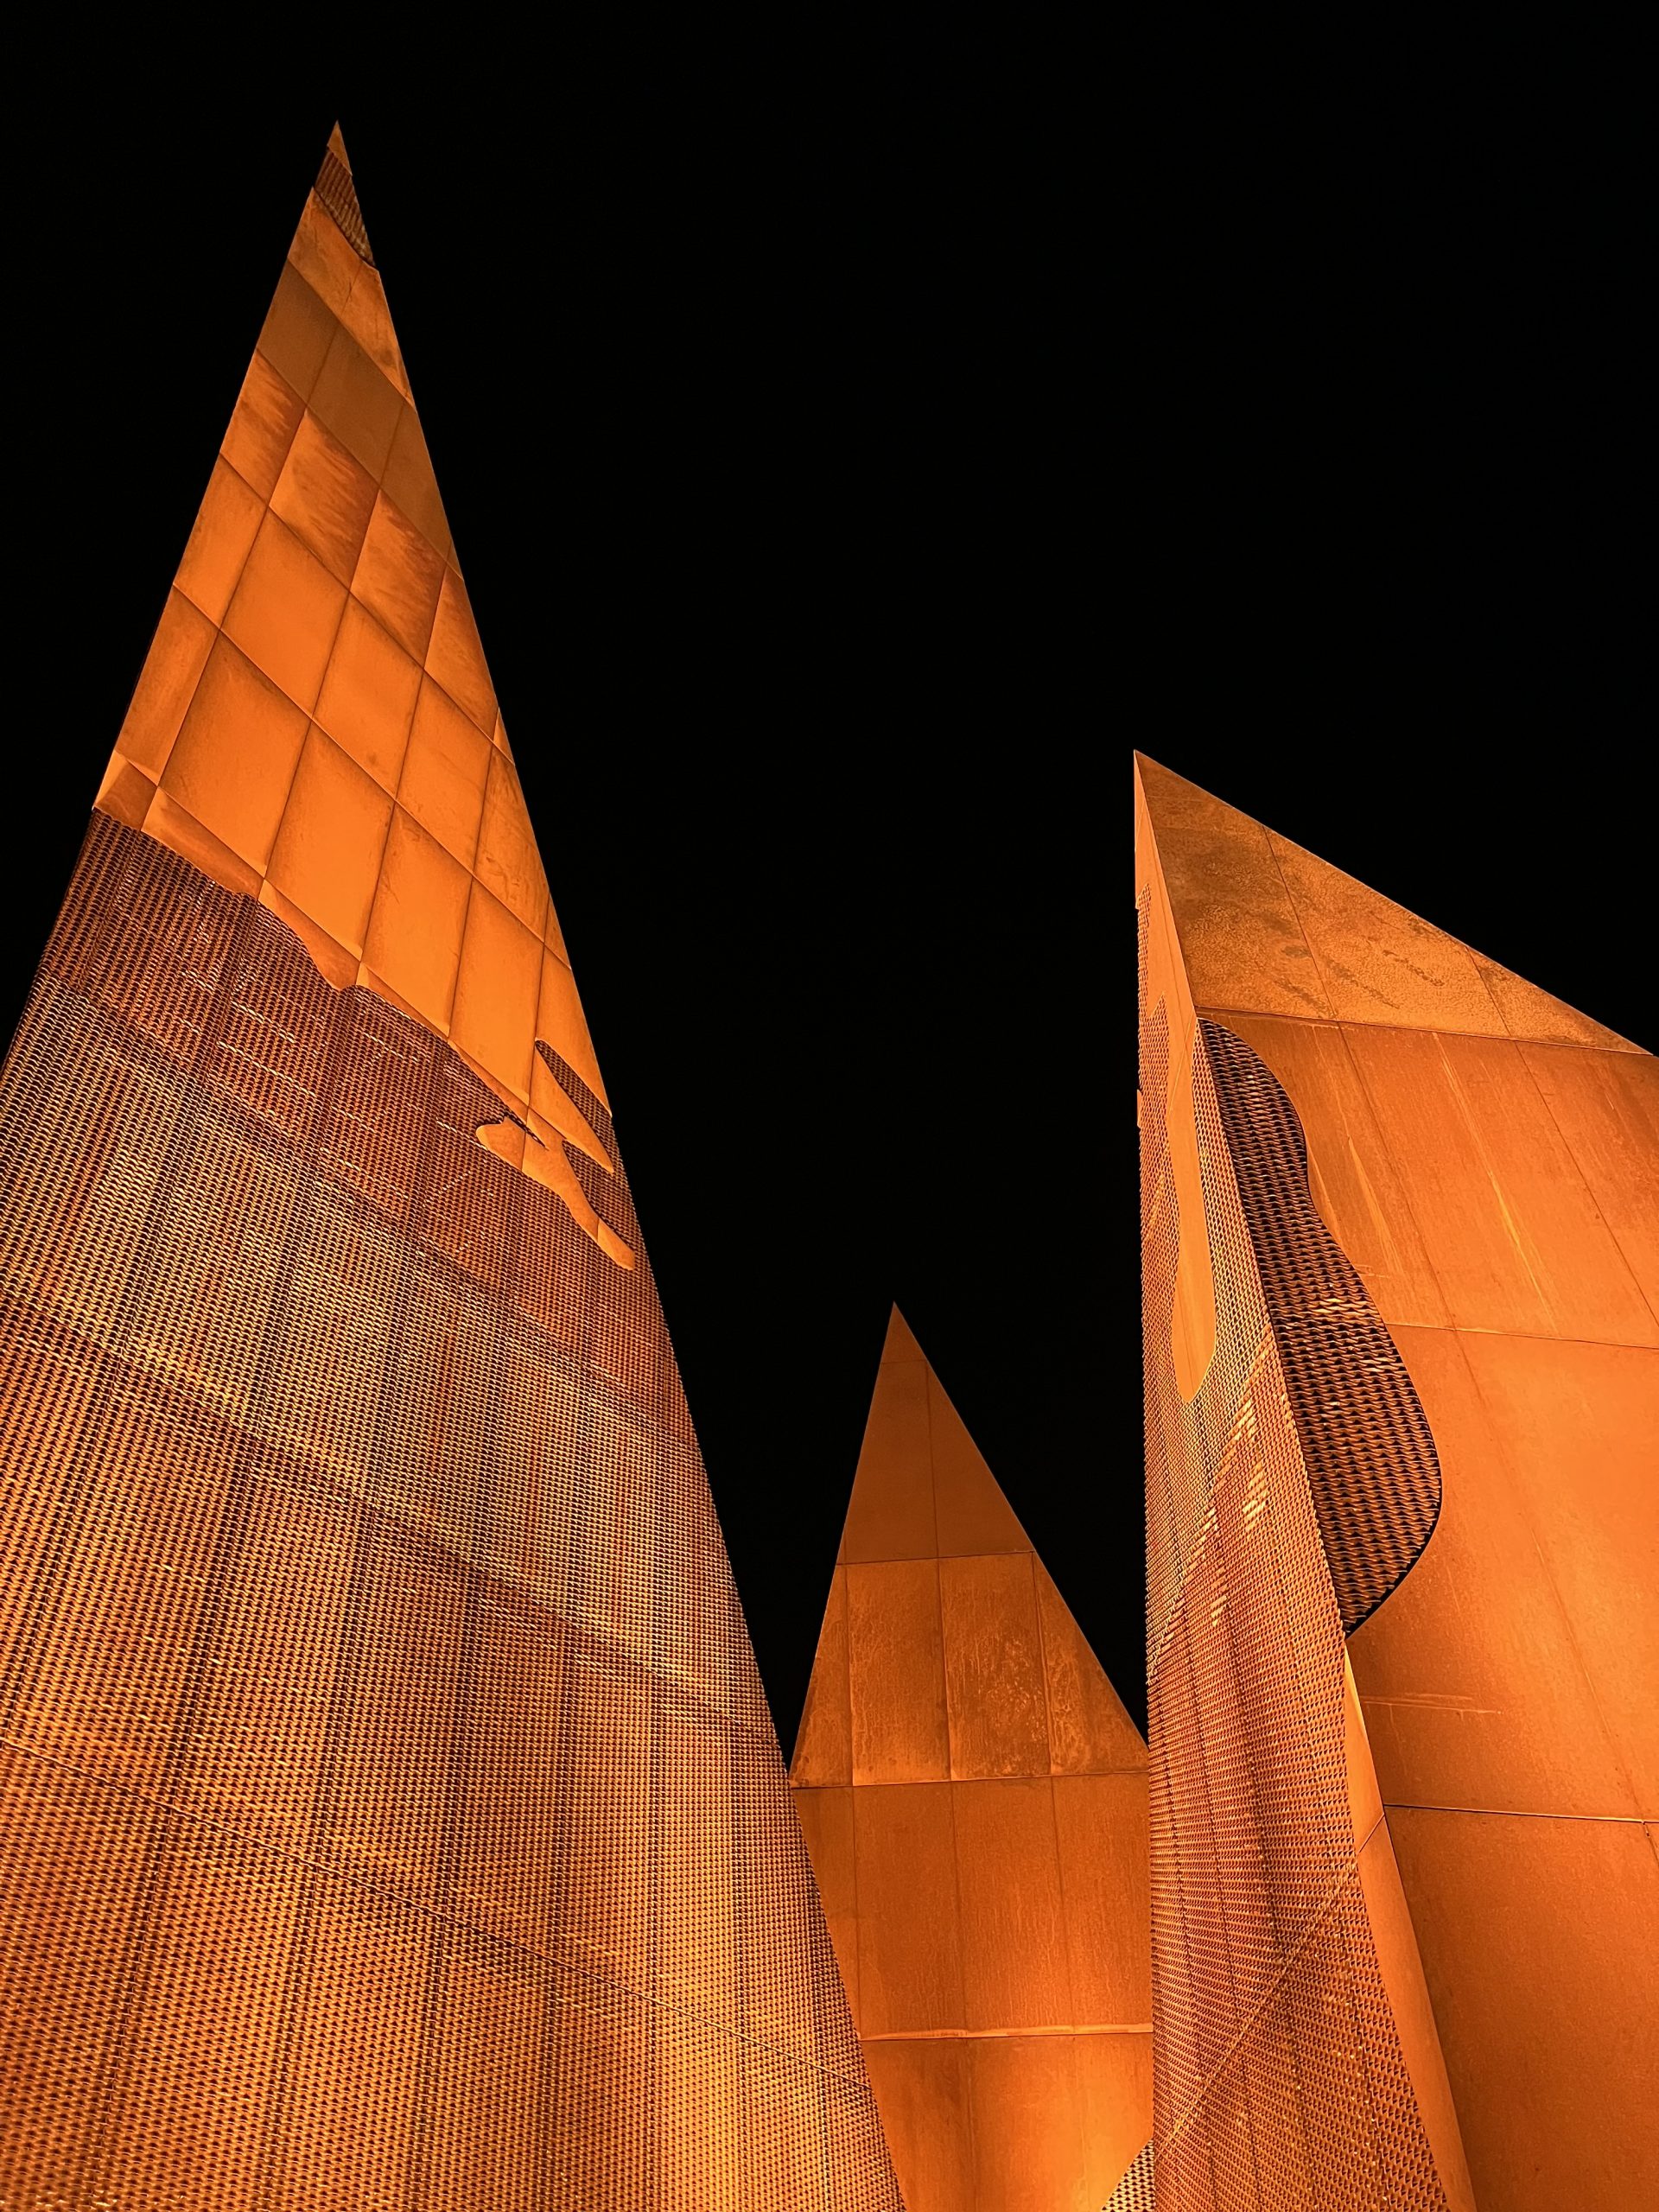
column 392, row 1815
column 1401, row 1221
column 975, row 1798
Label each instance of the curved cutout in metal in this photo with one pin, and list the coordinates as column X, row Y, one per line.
column 1371, row 1463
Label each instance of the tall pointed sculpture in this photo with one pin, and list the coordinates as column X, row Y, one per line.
column 391, row 1812
column 1402, row 1359
column 974, row 1797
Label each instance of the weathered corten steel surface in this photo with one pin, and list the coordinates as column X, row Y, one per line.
column 392, row 1817
column 1489, row 1160
column 975, row 1798
column 1291, row 2067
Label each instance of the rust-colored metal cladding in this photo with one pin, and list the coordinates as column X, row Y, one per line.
column 1292, row 2065
column 315, row 724
column 975, row 1798
column 1487, row 1160
column 392, row 1815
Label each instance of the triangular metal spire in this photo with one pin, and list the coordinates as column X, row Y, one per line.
column 393, row 1813
column 975, row 1798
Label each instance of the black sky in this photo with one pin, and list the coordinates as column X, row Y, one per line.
column 853, row 454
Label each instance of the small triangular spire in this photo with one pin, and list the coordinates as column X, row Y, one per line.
column 964, row 1769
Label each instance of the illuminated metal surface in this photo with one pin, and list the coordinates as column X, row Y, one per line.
column 1281, row 2075
column 315, row 723
column 392, row 1815
column 1371, row 1459
column 1489, row 1160
column 975, row 1798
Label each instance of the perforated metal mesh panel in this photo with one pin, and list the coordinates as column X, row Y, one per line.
column 1365, row 1440
column 392, row 1817
column 338, row 193
column 1134, row 2192
column 1278, row 2080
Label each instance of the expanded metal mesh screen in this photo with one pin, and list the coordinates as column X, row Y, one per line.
column 392, row 1817
column 1365, row 1440
column 1278, row 2080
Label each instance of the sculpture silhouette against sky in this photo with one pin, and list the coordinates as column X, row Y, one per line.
column 391, row 1804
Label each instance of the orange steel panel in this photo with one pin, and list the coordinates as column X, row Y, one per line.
column 268, row 413
column 1540, row 1939
column 896, row 1672
column 975, row 1799
column 1607, row 1106
column 1556, row 1409
column 173, row 666
column 508, row 863
column 1375, row 962
column 357, row 403
column 1028, row 2141
column 995, row 1705
column 285, row 611
column 1530, row 1012
column 1113, row 2097
column 220, row 542
column 823, row 1747
column 455, row 659
column 297, row 332
column 560, row 1023
column 923, row 2089
column 1242, row 942
column 398, row 576
column 1512, row 1230
column 238, row 798
column 419, row 918
column 1014, row 1970
column 1400, row 1960
column 891, row 1514
column 905, row 1859
column 326, row 857
column 1105, row 1874
column 1497, row 1192
column 497, row 989
column 368, row 696
column 444, row 773
column 325, row 497
column 971, row 1515
column 1496, row 1706
column 391, row 1814
column 409, row 482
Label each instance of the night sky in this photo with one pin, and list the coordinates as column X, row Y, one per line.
column 852, row 457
